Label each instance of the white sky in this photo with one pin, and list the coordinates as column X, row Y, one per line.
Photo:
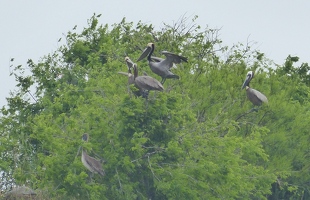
column 31, row 29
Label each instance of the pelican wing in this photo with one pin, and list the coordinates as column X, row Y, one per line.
column 148, row 83
column 93, row 164
column 171, row 60
column 260, row 95
column 256, row 97
column 157, row 59
column 174, row 57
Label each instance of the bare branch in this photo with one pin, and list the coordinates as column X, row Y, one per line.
column 119, row 181
column 148, row 158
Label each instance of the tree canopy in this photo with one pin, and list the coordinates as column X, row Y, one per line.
column 198, row 139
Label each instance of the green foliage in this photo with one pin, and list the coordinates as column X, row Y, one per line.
column 195, row 140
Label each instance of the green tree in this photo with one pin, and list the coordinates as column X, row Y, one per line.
column 195, row 140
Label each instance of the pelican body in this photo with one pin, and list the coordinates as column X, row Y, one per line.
column 144, row 82
column 161, row 66
column 89, row 162
column 256, row 97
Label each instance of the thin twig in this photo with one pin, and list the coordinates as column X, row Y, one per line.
column 119, row 181
column 262, row 117
column 32, row 96
column 242, row 115
column 148, row 158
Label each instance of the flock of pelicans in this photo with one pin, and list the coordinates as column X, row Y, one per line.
column 146, row 83
column 159, row 66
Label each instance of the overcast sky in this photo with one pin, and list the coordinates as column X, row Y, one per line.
column 31, row 29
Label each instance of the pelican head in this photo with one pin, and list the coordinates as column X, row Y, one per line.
column 85, row 137
column 147, row 51
column 129, row 62
column 247, row 80
column 150, row 45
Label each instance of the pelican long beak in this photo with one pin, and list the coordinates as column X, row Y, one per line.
column 246, row 82
column 124, row 73
column 145, row 53
column 85, row 137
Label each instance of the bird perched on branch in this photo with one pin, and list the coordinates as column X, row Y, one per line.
column 256, row 97
column 89, row 162
column 144, row 82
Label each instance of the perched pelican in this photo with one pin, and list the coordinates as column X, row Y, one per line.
column 160, row 66
column 89, row 162
column 144, row 82
column 131, row 80
column 256, row 97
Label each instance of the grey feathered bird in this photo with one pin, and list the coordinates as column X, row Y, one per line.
column 89, row 162
column 131, row 80
column 144, row 82
column 160, row 66
column 256, row 97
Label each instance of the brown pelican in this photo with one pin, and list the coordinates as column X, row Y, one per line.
column 256, row 97
column 89, row 162
column 144, row 82
column 159, row 66
column 131, row 79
